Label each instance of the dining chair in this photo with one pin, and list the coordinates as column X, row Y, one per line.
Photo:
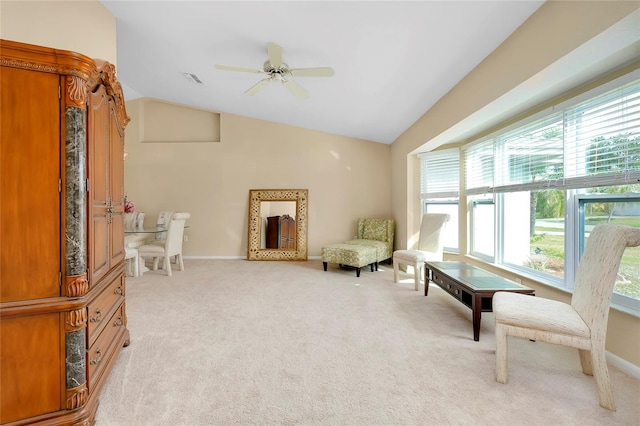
column 430, row 247
column 163, row 222
column 581, row 324
column 171, row 246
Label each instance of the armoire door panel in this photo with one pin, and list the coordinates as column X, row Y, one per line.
column 99, row 150
column 117, row 240
column 31, row 352
column 29, row 192
column 99, row 255
column 116, row 165
column 99, row 195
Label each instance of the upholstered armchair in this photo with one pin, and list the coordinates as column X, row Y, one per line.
column 376, row 233
column 582, row 324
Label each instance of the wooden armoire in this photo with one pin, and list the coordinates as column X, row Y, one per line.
column 62, row 282
column 281, row 232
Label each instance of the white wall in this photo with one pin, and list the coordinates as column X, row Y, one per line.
column 84, row 27
column 346, row 178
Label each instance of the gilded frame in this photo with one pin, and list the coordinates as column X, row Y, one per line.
column 256, row 196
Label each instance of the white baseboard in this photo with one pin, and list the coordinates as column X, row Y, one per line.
column 213, row 257
column 623, row 365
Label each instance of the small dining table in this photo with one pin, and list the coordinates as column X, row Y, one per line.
column 145, row 230
column 139, row 236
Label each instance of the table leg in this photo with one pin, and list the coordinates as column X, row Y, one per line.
column 477, row 312
column 426, row 280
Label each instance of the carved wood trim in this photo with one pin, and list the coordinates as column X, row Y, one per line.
column 76, row 285
column 45, row 59
column 56, row 61
column 105, row 74
column 75, row 320
column 77, row 397
column 76, row 93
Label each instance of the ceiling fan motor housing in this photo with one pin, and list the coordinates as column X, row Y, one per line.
column 270, row 69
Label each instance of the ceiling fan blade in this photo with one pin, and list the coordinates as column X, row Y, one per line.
column 296, row 89
column 275, row 54
column 257, row 87
column 241, row 69
column 312, row 72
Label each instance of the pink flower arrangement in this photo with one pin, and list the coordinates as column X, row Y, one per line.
column 129, row 207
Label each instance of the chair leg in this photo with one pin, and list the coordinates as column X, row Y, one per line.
column 585, row 361
column 136, row 266
column 603, row 382
column 155, row 263
column 180, row 262
column 501, row 354
column 167, row 264
column 416, row 276
column 395, row 271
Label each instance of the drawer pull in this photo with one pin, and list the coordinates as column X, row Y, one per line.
column 449, row 286
column 457, row 291
column 118, row 290
column 118, row 322
column 98, row 317
column 95, row 361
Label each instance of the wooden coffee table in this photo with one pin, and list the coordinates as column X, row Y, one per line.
column 471, row 286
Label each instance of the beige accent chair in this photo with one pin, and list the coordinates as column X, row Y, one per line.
column 581, row 324
column 171, row 246
column 430, row 247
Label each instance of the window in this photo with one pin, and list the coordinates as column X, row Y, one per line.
column 595, row 206
column 440, row 188
column 544, row 182
column 450, row 231
column 482, row 228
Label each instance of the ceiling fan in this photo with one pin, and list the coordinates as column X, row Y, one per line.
column 278, row 71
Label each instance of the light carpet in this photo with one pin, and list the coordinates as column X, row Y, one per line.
column 235, row 342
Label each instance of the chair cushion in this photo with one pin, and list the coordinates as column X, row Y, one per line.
column 538, row 313
column 375, row 229
column 414, row 256
column 349, row 254
column 130, row 253
column 382, row 248
column 153, row 248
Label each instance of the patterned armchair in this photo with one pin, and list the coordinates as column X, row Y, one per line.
column 376, row 233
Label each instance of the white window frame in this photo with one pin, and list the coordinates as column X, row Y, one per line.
column 573, row 197
column 444, row 186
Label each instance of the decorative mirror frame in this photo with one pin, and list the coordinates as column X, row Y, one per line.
column 256, row 196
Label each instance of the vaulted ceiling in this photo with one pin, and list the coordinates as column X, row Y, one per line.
column 392, row 60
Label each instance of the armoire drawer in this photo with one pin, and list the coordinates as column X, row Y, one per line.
column 102, row 306
column 101, row 350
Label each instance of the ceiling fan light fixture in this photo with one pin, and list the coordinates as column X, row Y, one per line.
column 278, row 71
column 192, row 77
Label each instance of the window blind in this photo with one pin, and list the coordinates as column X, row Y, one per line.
column 530, row 157
column 478, row 168
column 602, row 139
column 440, row 174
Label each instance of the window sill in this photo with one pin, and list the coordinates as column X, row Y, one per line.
column 517, row 275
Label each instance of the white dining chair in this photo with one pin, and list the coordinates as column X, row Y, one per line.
column 171, row 246
column 430, row 247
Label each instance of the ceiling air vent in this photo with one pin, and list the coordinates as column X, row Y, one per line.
column 192, row 77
